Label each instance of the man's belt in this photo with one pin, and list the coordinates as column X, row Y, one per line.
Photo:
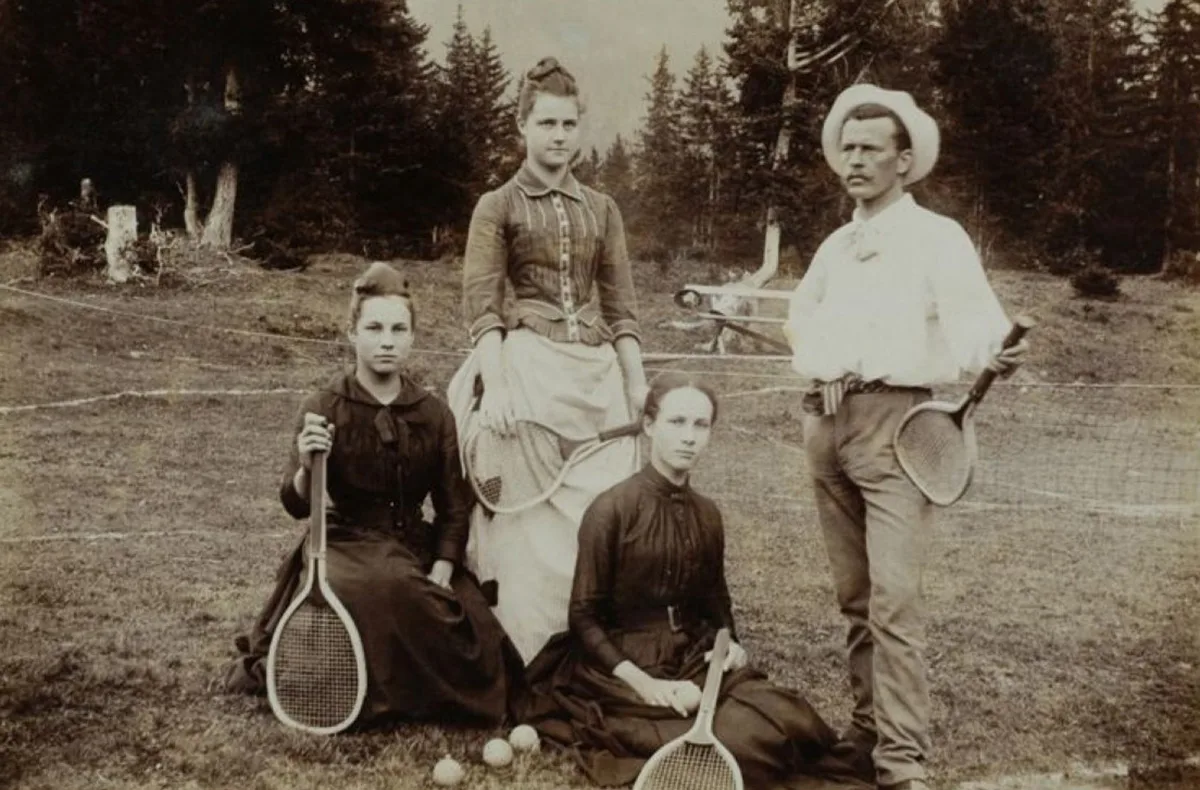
column 825, row 397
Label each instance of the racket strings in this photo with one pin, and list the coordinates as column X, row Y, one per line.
column 934, row 453
column 315, row 667
column 690, row 767
column 510, row 471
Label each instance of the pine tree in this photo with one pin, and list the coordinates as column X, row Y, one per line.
column 311, row 119
column 478, row 146
column 704, row 106
column 498, row 147
column 659, row 158
column 1177, row 86
column 1104, row 130
column 837, row 42
column 587, row 170
column 456, row 110
column 617, row 174
column 998, row 126
column 359, row 129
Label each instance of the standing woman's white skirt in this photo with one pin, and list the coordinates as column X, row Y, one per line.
column 578, row 390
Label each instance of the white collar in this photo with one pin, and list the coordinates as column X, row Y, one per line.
column 890, row 217
column 866, row 238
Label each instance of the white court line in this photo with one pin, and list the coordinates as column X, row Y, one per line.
column 64, row 404
column 648, row 356
column 208, row 327
column 127, row 535
column 1077, row 776
column 1125, row 508
column 763, row 391
column 746, row 431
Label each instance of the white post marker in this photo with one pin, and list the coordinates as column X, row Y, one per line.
column 118, row 245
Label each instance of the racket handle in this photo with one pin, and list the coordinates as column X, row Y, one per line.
column 629, row 429
column 688, row 298
column 716, row 668
column 316, row 505
column 1020, row 326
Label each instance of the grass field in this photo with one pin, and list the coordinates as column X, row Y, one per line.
column 138, row 535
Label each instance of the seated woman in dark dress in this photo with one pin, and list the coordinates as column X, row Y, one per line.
column 433, row 648
column 649, row 595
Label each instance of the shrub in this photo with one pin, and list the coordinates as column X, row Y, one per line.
column 1096, row 282
column 71, row 242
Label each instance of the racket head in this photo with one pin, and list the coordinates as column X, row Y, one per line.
column 316, row 667
column 515, row 472
column 936, row 448
column 682, row 765
column 697, row 759
column 482, row 454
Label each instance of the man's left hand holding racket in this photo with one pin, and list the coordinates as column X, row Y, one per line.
column 1009, row 359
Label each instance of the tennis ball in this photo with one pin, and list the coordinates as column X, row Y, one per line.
column 497, row 753
column 448, row 772
column 523, row 738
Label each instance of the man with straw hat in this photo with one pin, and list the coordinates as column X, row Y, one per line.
column 894, row 303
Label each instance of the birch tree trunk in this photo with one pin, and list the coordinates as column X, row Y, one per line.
column 770, row 259
column 218, row 228
column 118, row 246
column 191, row 209
column 191, row 197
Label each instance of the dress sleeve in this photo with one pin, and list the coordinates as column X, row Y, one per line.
column 972, row 320
column 592, row 591
column 485, row 267
column 451, row 495
column 296, row 505
column 719, row 605
column 614, row 278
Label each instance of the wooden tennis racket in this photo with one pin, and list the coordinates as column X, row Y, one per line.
column 696, row 760
column 316, row 669
column 515, row 472
column 935, row 441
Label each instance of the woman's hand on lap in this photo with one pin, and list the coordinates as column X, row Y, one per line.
column 681, row 695
column 441, row 573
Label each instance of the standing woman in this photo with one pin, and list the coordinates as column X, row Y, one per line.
column 566, row 350
column 433, row 648
column 649, row 596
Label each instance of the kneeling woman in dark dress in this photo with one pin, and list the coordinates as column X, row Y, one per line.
column 433, row 648
column 649, row 595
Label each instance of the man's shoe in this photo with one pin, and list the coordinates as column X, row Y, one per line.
column 854, row 748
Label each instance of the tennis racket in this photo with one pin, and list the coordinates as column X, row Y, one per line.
column 316, row 669
column 935, row 441
column 696, row 760
column 515, row 472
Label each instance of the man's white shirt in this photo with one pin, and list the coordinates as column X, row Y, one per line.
column 901, row 297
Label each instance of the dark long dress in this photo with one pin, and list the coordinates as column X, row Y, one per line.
column 431, row 653
column 645, row 545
